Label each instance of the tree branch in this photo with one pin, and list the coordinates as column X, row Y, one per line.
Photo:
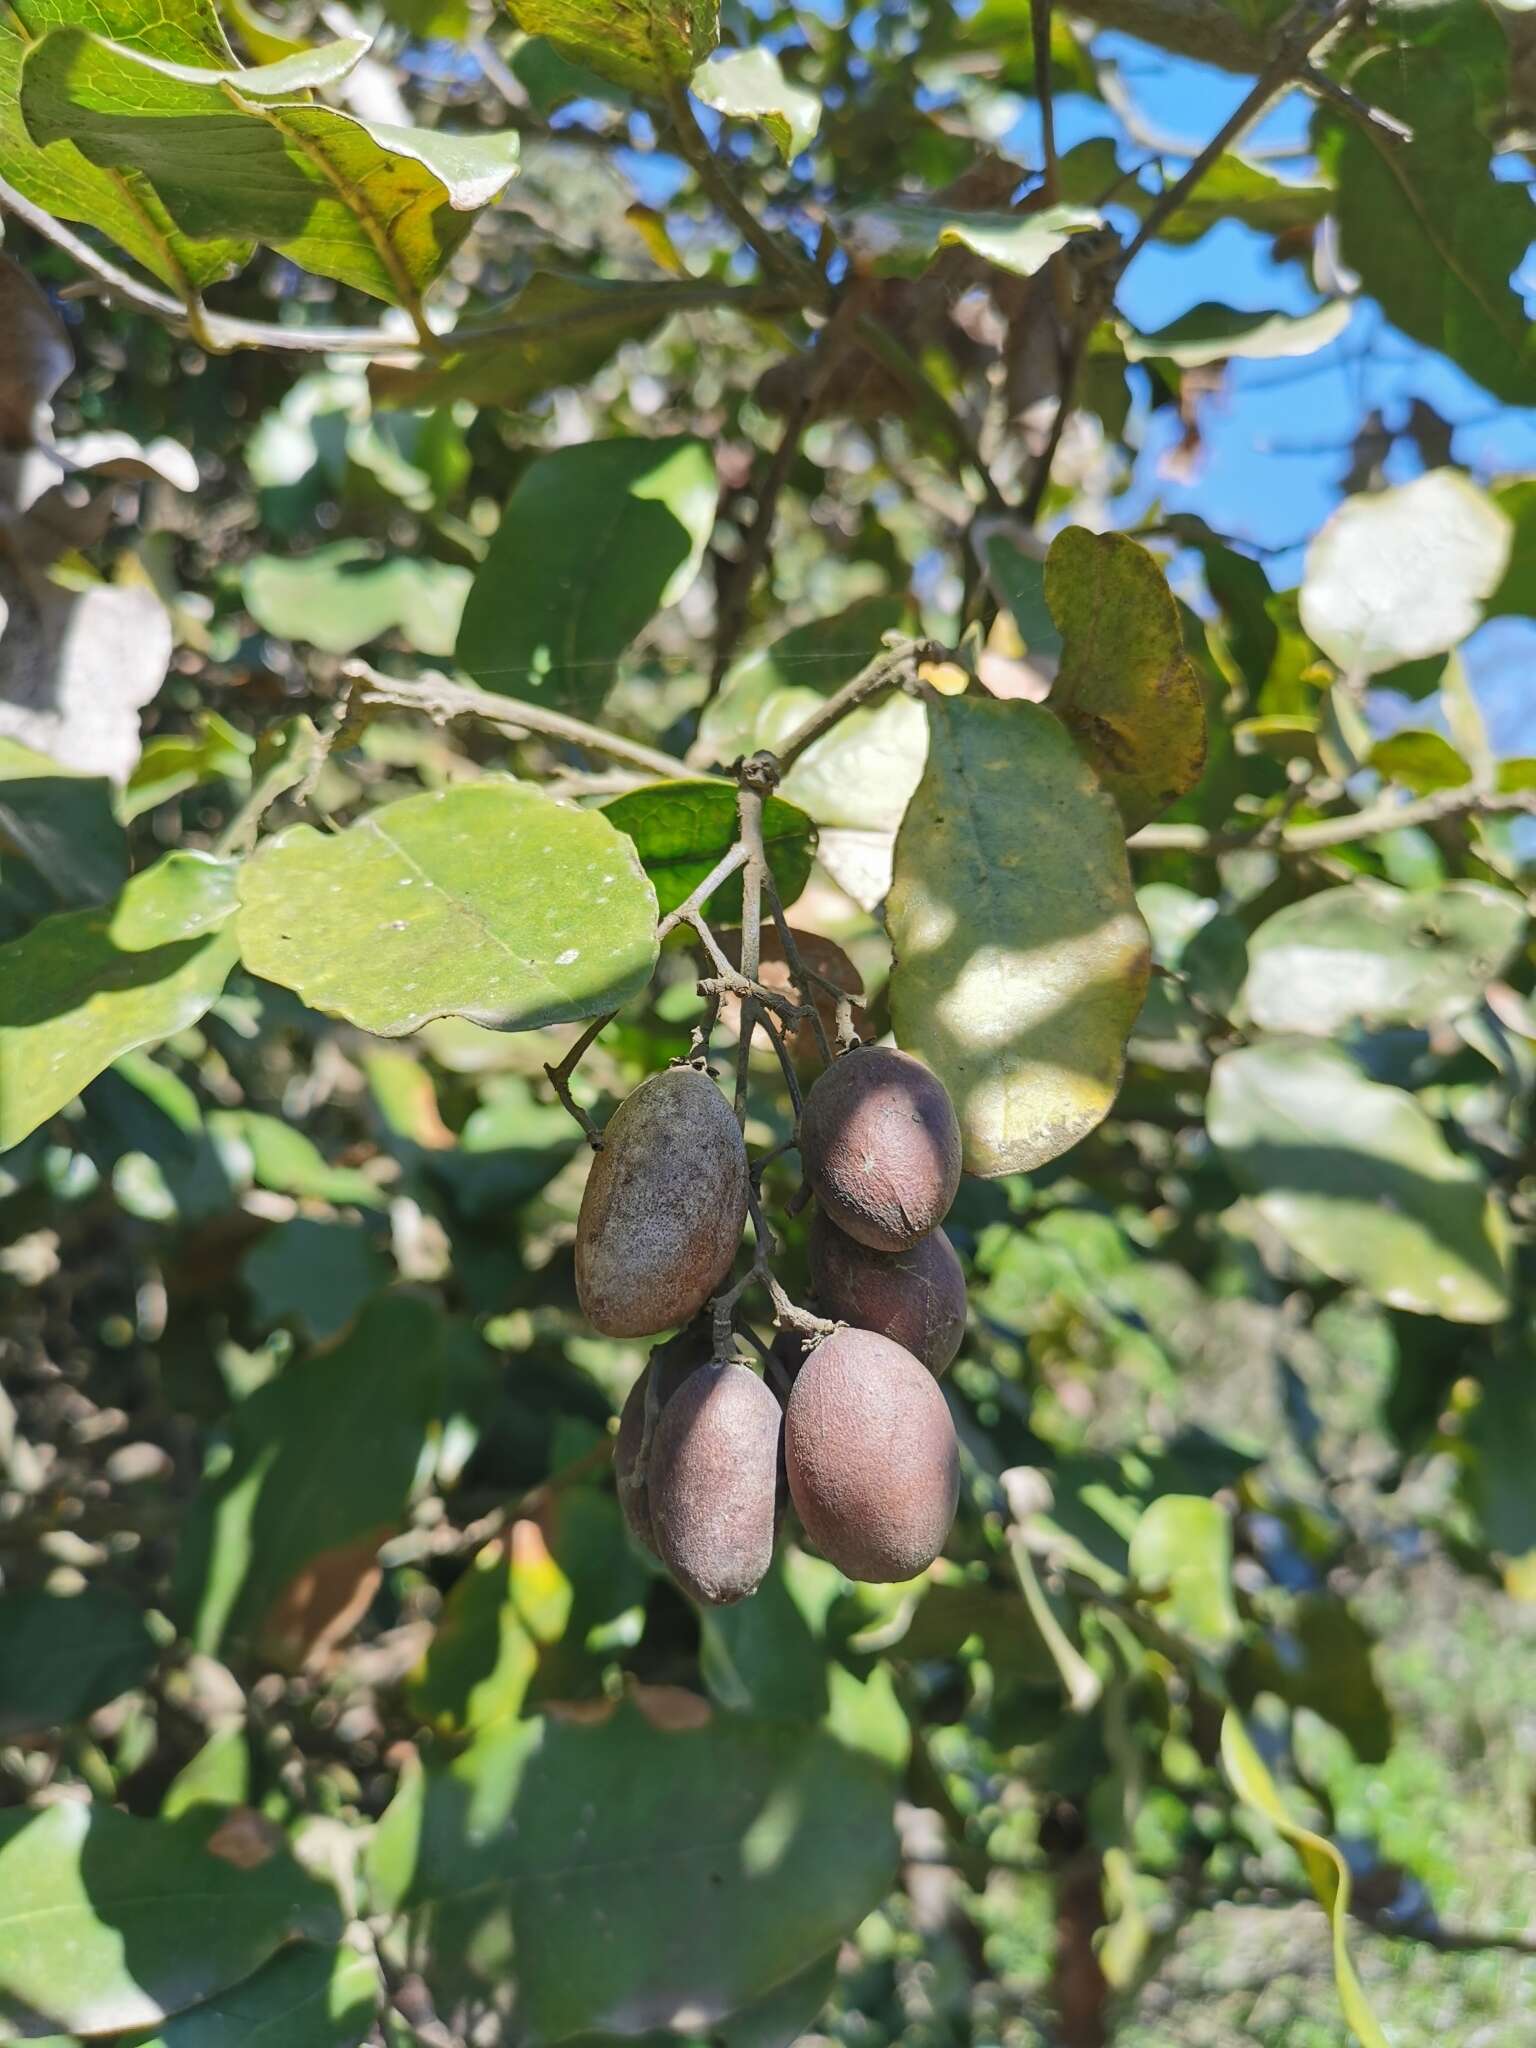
column 1319, row 834
column 884, row 346
column 442, row 700
column 896, row 668
column 776, row 257
column 1040, row 35
column 1299, row 34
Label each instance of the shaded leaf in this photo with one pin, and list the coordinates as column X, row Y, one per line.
column 1320, row 1658
column 1517, row 588
column 77, row 665
column 315, row 1274
column 1433, row 235
column 731, row 1856
column 903, row 237
column 750, row 85
column 1181, row 1548
column 1420, row 760
column 1327, row 1872
column 485, row 901
column 1356, row 1177
column 1211, row 333
column 594, row 541
column 1231, row 188
column 1018, row 578
column 84, row 987
column 373, row 205
column 306, row 1997
column 108, row 1922
column 320, row 1469
column 1403, row 573
column 1021, row 961
column 62, row 1657
column 343, row 596
column 1378, row 955
column 681, row 829
column 557, row 330
column 174, row 761
column 63, row 822
column 1125, row 689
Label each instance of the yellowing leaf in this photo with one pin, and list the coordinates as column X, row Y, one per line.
column 1126, row 689
column 1327, row 1872
column 644, row 45
column 1021, row 960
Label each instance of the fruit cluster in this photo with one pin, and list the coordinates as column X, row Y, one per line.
column 860, row 1437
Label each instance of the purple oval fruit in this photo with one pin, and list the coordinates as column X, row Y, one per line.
column 664, row 1206
column 667, row 1367
column 714, row 1482
column 915, row 1297
column 871, row 1457
column 881, row 1147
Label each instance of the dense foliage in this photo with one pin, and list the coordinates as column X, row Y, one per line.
column 736, row 406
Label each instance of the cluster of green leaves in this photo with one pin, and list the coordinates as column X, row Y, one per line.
column 334, row 1696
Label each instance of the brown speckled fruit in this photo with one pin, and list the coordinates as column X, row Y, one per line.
column 714, row 1482
column 871, row 1456
column 668, row 1366
column 915, row 1297
column 664, row 1206
column 881, row 1147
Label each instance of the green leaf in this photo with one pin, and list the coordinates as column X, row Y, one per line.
column 1021, row 961
column 483, row 1655
column 317, row 1275
column 340, row 597
column 1403, row 573
column 681, row 829
column 1516, row 593
column 62, row 1656
column 556, row 331
column 320, row 1467
column 1327, row 1872
column 285, row 1159
column 107, row 1922
column 375, row 206
column 1018, row 578
column 1181, row 1550
column 485, row 901
column 594, row 541
column 644, row 45
column 63, row 822
column 219, row 1775
column 84, row 987
column 1126, row 689
column 176, row 761
column 1356, row 1177
column 120, row 204
column 1373, row 954
column 306, row 1997
column 904, row 237
column 710, row 1862
column 750, row 85
column 1433, row 235
column 1211, row 333
column 1229, row 189
column 1420, row 760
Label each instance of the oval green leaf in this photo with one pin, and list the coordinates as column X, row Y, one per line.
column 681, row 829
column 1125, row 689
column 62, row 1656
column 1356, row 1177
column 1372, row 954
column 1181, row 1558
column 730, row 1856
column 1021, row 959
column 107, row 1922
column 485, row 901
column 594, row 541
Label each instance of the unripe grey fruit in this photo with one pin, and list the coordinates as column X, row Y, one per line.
column 915, row 1297
column 871, row 1456
column 881, row 1147
column 668, row 1366
column 714, row 1482
column 664, row 1206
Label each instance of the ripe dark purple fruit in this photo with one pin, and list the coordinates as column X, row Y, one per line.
column 668, row 1366
column 871, row 1456
column 881, row 1147
column 915, row 1297
column 664, row 1206
column 714, row 1482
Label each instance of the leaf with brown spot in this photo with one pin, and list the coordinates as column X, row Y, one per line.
column 672, row 1708
column 1126, row 689
column 247, row 1839
column 323, row 1602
